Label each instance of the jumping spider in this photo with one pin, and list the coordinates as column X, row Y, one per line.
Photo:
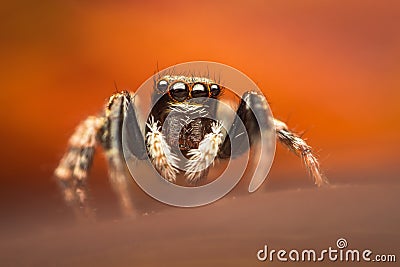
column 200, row 139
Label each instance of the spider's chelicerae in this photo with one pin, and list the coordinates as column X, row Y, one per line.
column 200, row 140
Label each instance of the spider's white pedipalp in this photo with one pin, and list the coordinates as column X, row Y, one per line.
column 301, row 149
column 204, row 155
column 160, row 152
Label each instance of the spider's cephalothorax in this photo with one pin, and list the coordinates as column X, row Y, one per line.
column 185, row 101
column 180, row 123
column 183, row 131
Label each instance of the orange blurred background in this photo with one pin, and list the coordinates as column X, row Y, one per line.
column 329, row 67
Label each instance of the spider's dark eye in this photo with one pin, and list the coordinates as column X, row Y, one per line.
column 199, row 90
column 179, row 91
column 215, row 89
column 162, row 85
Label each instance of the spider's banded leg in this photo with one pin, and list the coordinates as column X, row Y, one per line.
column 73, row 168
column 111, row 140
column 251, row 104
column 297, row 145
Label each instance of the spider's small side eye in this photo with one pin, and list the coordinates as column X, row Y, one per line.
column 199, row 90
column 162, row 85
column 179, row 91
column 215, row 89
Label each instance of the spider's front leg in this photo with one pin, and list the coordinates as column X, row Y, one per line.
column 253, row 106
column 105, row 130
column 111, row 139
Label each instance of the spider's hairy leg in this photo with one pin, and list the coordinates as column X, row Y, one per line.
column 251, row 128
column 297, row 145
column 250, row 104
column 255, row 104
column 116, row 111
column 73, row 168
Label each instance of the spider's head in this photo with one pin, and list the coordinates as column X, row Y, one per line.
column 182, row 88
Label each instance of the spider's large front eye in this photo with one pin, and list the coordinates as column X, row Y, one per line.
column 162, row 86
column 179, row 91
column 199, row 90
column 215, row 89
